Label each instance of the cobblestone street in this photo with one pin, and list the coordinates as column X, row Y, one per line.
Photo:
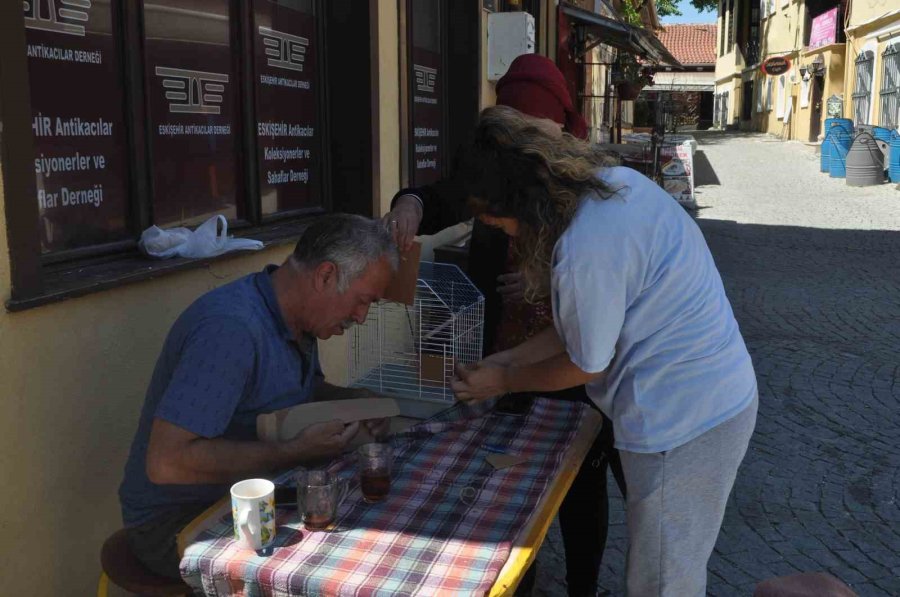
column 812, row 268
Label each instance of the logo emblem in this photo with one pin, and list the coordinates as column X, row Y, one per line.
column 58, row 16
column 192, row 91
column 425, row 78
column 283, row 49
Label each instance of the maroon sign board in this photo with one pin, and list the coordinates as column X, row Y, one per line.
column 78, row 123
column 426, row 93
column 192, row 95
column 287, row 87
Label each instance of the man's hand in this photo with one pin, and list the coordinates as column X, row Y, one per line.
column 321, row 441
column 483, row 380
column 511, row 287
column 403, row 221
column 378, row 428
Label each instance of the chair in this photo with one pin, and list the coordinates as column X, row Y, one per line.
column 124, row 570
column 806, row 584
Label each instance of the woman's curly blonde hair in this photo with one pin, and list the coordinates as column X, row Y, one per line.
column 527, row 169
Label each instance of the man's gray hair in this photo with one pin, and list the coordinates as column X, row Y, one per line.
column 349, row 241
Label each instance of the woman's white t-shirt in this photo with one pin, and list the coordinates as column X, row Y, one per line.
column 636, row 293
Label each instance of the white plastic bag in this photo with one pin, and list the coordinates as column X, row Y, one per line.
column 205, row 241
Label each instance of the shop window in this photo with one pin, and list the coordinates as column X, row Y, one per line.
column 760, row 90
column 862, row 91
column 80, row 139
column 192, row 105
column 165, row 112
column 721, row 28
column 732, row 23
column 890, row 87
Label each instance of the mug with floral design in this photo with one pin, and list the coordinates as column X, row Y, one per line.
column 253, row 509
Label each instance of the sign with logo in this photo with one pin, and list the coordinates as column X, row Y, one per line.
column 426, row 95
column 824, row 29
column 78, row 122
column 287, row 107
column 776, row 65
column 193, row 108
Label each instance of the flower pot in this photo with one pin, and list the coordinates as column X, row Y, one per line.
column 629, row 90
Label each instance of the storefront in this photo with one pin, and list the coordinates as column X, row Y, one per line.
column 119, row 115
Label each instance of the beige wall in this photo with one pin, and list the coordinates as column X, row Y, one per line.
column 74, row 375
column 862, row 11
column 389, row 101
column 833, row 58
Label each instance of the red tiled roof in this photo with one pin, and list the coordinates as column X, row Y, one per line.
column 690, row 44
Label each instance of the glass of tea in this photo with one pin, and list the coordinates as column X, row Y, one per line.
column 319, row 493
column 375, row 471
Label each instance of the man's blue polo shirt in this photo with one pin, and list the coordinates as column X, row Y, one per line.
column 228, row 358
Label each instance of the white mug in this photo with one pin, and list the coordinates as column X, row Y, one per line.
column 253, row 510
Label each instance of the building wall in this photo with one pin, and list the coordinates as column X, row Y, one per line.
column 862, row 11
column 872, row 27
column 833, row 59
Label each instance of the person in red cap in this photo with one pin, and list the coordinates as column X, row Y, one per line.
column 534, row 86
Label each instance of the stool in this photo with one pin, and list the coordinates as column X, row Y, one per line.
column 806, row 584
column 124, row 570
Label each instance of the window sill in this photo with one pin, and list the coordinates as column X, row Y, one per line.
column 70, row 280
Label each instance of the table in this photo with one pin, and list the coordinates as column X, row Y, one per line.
column 430, row 535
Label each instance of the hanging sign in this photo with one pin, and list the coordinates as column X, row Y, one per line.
column 824, row 29
column 776, row 65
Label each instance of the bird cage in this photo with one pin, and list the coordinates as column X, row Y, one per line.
column 410, row 352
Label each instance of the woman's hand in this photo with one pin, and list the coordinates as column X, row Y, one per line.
column 511, row 287
column 483, row 380
column 403, row 221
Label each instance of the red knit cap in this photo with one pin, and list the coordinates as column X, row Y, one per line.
column 534, row 86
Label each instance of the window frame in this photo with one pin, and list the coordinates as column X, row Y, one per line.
column 862, row 100
column 37, row 278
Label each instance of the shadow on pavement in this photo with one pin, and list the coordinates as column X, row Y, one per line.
column 704, row 173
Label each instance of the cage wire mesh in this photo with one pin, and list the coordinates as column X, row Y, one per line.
column 411, row 351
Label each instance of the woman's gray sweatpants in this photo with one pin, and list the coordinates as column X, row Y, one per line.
column 675, row 505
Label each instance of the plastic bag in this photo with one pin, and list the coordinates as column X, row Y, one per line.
column 204, row 241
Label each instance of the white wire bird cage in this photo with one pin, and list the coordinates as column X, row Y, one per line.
column 411, row 352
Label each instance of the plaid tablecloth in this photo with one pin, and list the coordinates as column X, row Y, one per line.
column 447, row 526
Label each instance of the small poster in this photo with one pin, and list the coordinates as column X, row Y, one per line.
column 824, row 29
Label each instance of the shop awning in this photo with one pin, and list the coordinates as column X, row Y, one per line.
column 679, row 87
column 603, row 30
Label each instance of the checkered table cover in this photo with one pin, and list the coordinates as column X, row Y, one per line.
column 432, row 535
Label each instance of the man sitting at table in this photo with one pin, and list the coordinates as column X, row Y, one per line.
column 243, row 349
